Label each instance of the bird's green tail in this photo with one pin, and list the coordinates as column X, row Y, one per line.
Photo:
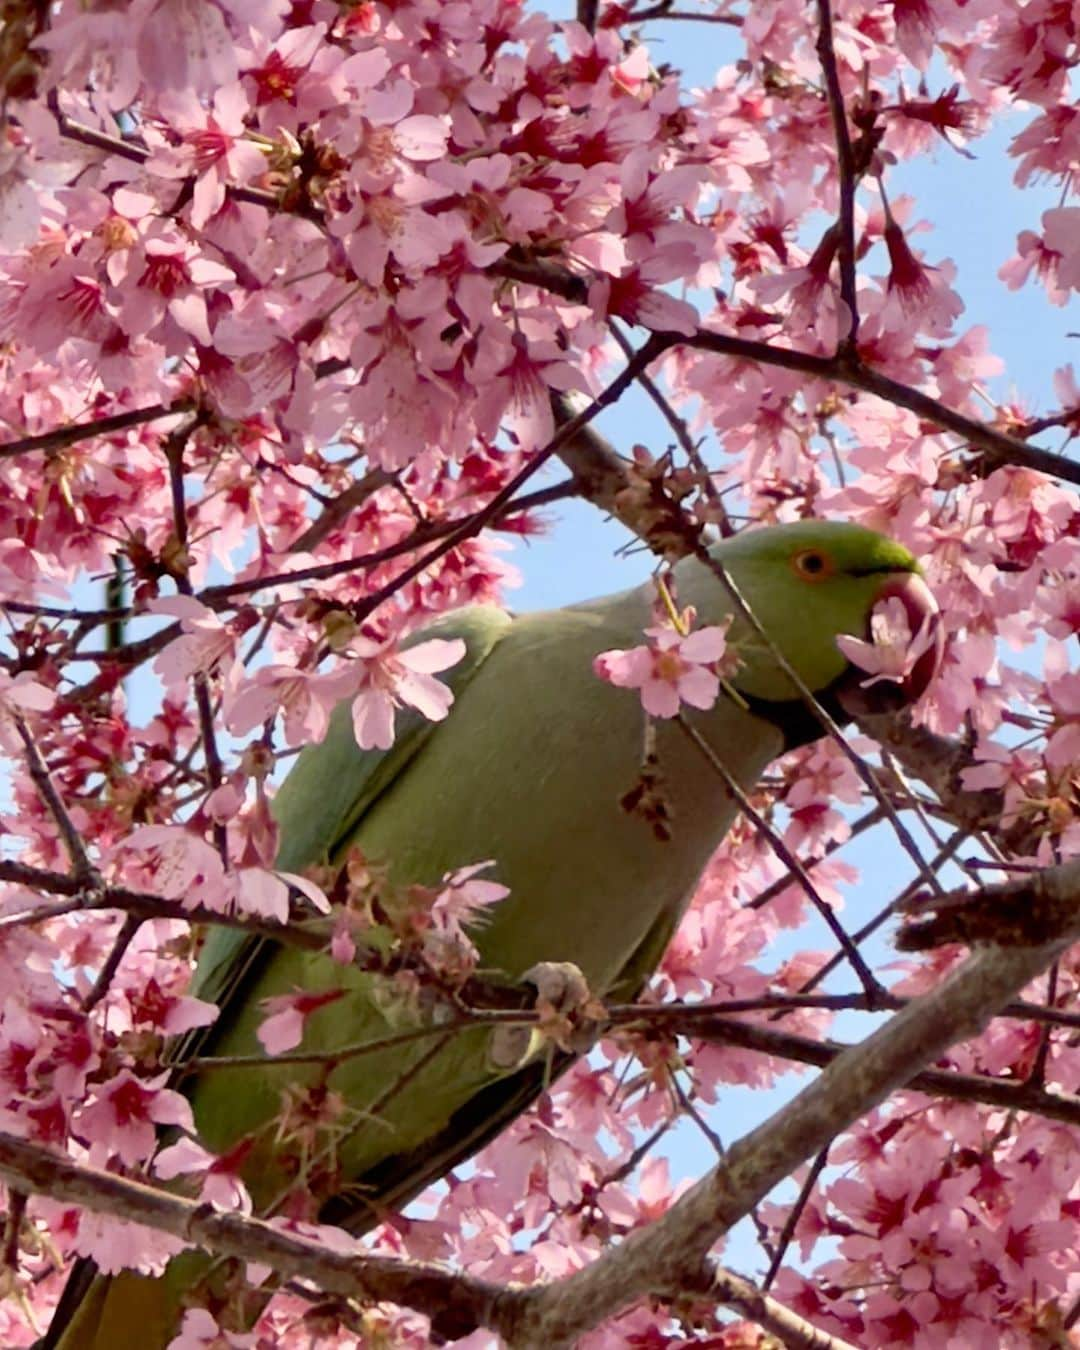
column 128, row 1311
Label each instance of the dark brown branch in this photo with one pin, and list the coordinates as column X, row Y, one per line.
column 682, row 1019
column 457, row 1303
column 586, row 14
column 794, row 1214
column 1009, row 1094
column 845, row 169
column 99, row 426
column 216, row 597
column 872, row 817
column 111, row 964
column 337, row 510
column 86, row 875
column 141, row 905
column 850, row 371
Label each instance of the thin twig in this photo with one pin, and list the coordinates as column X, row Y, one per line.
column 85, row 873
column 872, row 817
column 1037, row 1076
column 794, row 1214
column 950, row 847
column 61, row 437
column 1010, row 1094
column 786, row 856
column 174, row 454
column 111, row 964
column 719, row 514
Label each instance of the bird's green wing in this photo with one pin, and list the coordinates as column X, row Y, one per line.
column 318, row 807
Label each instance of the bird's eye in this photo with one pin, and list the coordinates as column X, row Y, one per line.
column 811, row 564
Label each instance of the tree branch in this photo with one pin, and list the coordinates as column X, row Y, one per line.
column 86, row 875
column 1009, row 1094
column 845, row 169
column 1036, row 908
column 938, row 762
column 456, row 1303
column 99, row 426
column 791, row 1330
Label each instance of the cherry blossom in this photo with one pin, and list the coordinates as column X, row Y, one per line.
column 20, row 694
column 393, row 676
column 123, row 1116
column 283, row 1027
column 893, row 650
column 670, row 670
column 200, row 1331
column 207, row 646
column 221, row 1185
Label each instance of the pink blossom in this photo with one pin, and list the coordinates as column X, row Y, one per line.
column 213, row 149
column 207, row 647
column 221, row 1185
column 462, row 902
column 893, row 650
column 115, row 1244
column 670, row 670
column 393, row 676
column 200, row 1331
column 122, row 1118
column 305, row 698
column 283, row 1027
column 20, row 694
column 265, row 892
column 464, row 898
column 170, row 1013
column 20, row 212
column 179, row 865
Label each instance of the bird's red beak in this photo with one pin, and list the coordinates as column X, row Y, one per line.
column 857, row 697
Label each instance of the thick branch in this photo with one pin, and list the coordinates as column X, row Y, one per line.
column 791, row 1330
column 1036, row 908
column 456, row 1302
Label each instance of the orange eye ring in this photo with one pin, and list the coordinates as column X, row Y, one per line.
column 811, row 564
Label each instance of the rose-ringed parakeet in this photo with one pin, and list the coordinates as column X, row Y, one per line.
column 531, row 770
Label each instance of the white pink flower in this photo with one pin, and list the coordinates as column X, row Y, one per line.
column 893, row 650
column 393, row 676
column 670, row 670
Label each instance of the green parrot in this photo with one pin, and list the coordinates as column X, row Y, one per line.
column 531, row 769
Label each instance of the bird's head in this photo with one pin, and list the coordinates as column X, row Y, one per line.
column 813, row 581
